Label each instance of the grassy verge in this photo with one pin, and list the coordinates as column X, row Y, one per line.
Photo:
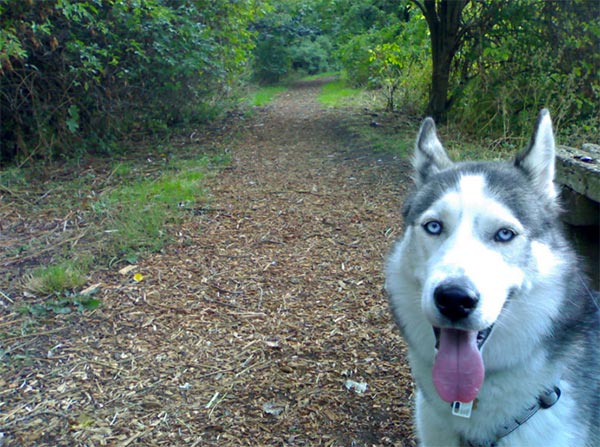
column 327, row 74
column 264, row 95
column 383, row 132
column 100, row 216
column 337, row 93
column 136, row 212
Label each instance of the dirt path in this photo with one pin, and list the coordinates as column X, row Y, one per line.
column 247, row 331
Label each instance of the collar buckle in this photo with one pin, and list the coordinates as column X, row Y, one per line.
column 549, row 397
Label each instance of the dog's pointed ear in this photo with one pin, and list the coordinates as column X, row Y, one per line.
column 538, row 159
column 430, row 156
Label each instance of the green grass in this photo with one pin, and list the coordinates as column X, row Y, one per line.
column 265, row 95
column 126, row 210
column 122, row 170
column 136, row 214
column 56, row 279
column 399, row 138
column 464, row 146
column 396, row 132
column 12, row 177
column 337, row 93
column 399, row 142
column 390, row 136
column 328, row 74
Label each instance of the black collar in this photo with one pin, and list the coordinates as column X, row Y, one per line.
column 544, row 401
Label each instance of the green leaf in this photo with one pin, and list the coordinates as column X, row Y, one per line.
column 59, row 307
column 87, row 304
column 73, row 120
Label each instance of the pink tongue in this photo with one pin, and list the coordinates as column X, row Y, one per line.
column 458, row 369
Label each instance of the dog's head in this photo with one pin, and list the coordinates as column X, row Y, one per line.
column 474, row 230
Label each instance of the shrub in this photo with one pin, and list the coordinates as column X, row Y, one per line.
column 78, row 75
column 512, row 74
column 312, row 56
column 271, row 59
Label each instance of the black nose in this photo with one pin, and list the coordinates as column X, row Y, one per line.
column 456, row 299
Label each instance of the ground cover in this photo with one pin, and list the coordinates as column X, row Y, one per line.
column 262, row 320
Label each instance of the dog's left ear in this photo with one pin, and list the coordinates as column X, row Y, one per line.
column 538, row 159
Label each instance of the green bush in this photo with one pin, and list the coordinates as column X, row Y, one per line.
column 393, row 57
column 79, row 75
column 400, row 64
column 312, row 56
column 508, row 75
column 355, row 57
column 295, row 37
column 515, row 57
column 271, row 59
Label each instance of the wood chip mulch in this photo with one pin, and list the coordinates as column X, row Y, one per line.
column 266, row 323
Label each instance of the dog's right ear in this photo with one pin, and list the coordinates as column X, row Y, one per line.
column 430, row 156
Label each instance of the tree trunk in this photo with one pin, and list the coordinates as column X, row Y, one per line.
column 440, row 79
column 444, row 21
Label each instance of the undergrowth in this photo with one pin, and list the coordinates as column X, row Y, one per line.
column 395, row 132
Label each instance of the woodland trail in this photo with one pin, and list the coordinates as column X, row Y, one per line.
column 247, row 330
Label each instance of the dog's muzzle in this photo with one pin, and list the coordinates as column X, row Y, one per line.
column 456, row 299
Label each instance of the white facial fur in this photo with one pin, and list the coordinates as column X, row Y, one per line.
column 467, row 248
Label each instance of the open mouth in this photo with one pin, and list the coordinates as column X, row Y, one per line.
column 458, row 369
column 482, row 336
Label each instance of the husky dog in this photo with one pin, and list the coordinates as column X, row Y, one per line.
column 503, row 333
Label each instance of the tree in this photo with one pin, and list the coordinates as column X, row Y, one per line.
column 519, row 56
column 446, row 31
column 452, row 24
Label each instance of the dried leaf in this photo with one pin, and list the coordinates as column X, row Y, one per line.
column 128, row 268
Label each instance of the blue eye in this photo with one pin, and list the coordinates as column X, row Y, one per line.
column 433, row 227
column 504, row 235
